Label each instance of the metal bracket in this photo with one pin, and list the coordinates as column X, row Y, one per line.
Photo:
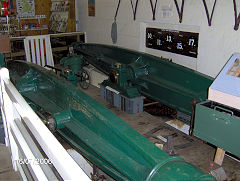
column 115, row 17
column 154, row 8
column 237, row 17
column 180, row 13
column 206, row 9
column 193, row 105
column 170, row 146
column 134, row 9
column 95, row 176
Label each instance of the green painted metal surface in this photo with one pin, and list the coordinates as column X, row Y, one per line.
column 98, row 134
column 219, row 125
column 139, row 73
column 74, row 62
column 2, row 62
column 74, row 71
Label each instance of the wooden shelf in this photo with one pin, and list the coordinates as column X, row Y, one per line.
column 60, row 43
column 35, row 17
column 34, row 29
column 32, row 32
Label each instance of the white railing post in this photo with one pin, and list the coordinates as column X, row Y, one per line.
column 8, row 117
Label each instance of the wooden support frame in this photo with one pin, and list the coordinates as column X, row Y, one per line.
column 79, row 35
column 219, row 156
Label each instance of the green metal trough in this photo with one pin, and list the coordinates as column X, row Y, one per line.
column 98, row 134
column 157, row 78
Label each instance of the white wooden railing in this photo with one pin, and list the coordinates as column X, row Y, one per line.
column 28, row 138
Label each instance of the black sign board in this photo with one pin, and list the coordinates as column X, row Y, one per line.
column 180, row 42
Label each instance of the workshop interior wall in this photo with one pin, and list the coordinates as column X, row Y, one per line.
column 216, row 43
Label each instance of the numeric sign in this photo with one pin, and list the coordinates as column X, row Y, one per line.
column 180, row 42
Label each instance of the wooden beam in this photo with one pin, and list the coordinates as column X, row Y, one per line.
column 219, row 156
column 149, row 104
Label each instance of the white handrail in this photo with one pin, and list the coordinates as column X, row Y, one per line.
column 17, row 115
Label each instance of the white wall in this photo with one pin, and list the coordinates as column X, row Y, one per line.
column 216, row 43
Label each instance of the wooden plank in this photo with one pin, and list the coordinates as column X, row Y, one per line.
column 66, row 34
column 56, row 49
column 71, row 18
column 149, row 104
column 51, row 35
column 22, row 53
column 5, row 44
column 219, row 156
column 15, row 54
column 59, row 49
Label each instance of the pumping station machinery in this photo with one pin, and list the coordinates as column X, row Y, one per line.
column 126, row 155
column 133, row 75
column 95, row 132
column 73, row 70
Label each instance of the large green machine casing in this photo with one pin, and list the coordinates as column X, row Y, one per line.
column 219, row 125
column 155, row 77
column 98, row 134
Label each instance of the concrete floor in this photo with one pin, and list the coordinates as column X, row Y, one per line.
column 6, row 170
column 191, row 149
